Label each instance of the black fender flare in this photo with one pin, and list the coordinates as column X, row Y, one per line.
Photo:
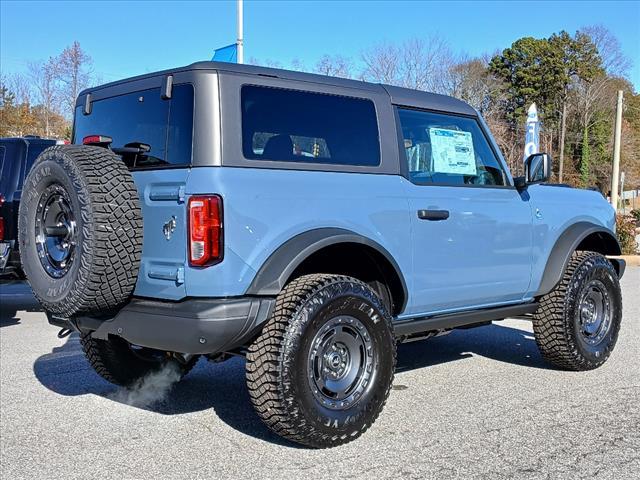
column 272, row 276
column 566, row 244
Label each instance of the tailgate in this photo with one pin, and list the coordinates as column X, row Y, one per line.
column 164, row 250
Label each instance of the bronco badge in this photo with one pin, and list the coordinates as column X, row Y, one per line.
column 169, row 227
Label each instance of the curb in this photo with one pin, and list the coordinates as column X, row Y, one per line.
column 632, row 260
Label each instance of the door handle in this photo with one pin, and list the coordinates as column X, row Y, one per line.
column 433, row 215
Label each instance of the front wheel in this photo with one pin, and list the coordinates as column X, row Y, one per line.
column 321, row 370
column 577, row 323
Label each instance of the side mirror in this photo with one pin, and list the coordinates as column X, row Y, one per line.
column 537, row 169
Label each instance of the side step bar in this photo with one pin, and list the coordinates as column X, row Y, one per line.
column 454, row 320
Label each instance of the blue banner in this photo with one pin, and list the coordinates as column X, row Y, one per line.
column 532, row 136
column 227, row 54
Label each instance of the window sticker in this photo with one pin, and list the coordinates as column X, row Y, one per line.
column 452, row 151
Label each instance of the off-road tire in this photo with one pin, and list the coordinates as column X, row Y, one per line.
column 556, row 323
column 116, row 362
column 104, row 201
column 276, row 367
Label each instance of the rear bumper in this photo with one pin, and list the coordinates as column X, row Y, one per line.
column 193, row 326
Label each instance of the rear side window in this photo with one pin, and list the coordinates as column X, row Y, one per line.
column 143, row 119
column 304, row 127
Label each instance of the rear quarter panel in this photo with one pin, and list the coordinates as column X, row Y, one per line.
column 263, row 208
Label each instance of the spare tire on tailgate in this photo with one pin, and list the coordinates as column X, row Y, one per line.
column 80, row 230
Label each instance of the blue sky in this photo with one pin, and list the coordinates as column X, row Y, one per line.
column 129, row 38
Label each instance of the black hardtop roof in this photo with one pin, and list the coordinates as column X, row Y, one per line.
column 399, row 95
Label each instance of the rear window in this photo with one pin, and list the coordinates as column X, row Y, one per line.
column 163, row 127
column 304, row 127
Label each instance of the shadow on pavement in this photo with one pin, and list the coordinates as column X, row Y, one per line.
column 221, row 387
column 15, row 296
column 498, row 342
column 8, row 319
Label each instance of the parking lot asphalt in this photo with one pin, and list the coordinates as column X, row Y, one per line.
column 477, row 403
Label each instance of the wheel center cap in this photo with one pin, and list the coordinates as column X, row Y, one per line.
column 588, row 312
column 334, row 360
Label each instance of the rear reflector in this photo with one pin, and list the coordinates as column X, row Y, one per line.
column 205, row 230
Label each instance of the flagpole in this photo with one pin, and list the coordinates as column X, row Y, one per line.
column 239, row 43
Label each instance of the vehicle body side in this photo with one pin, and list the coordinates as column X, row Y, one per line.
column 267, row 204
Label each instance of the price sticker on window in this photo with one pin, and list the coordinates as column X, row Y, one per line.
column 452, row 151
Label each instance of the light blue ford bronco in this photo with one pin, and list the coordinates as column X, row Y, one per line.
column 309, row 224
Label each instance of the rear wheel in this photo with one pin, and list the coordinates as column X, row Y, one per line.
column 122, row 363
column 577, row 323
column 321, row 370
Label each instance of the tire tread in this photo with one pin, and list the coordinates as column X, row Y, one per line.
column 265, row 365
column 551, row 320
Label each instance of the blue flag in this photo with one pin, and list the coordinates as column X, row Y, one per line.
column 532, row 136
column 226, row 54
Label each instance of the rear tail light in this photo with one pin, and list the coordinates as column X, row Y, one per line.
column 205, row 230
column 98, row 140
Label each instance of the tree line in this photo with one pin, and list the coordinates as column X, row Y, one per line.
column 572, row 78
column 41, row 101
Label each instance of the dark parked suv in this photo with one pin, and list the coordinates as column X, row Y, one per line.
column 16, row 158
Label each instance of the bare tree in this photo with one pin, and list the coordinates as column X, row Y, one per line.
column 21, row 87
column 15, row 112
column 298, row 65
column 273, row 63
column 382, row 64
column 74, row 67
column 417, row 63
column 44, row 76
column 336, row 66
column 470, row 80
column 614, row 61
column 425, row 63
